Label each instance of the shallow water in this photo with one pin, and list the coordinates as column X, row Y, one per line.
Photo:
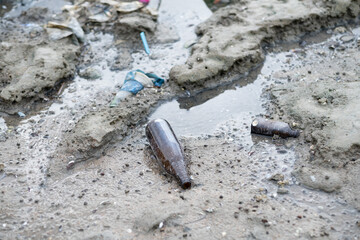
column 14, row 8
column 241, row 104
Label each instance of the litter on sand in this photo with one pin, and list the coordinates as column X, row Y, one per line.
column 134, row 82
column 146, row 46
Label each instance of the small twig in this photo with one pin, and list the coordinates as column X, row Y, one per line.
column 60, row 89
column 198, row 220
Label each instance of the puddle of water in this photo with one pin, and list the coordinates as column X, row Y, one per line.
column 240, row 104
column 15, row 8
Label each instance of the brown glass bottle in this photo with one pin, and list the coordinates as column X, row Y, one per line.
column 167, row 150
column 270, row 128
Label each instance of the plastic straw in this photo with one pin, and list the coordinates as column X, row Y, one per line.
column 146, row 46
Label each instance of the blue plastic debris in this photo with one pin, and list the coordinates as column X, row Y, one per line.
column 134, row 82
column 132, row 86
column 146, row 46
column 157, row 80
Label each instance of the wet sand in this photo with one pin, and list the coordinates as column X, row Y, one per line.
column 244, row 186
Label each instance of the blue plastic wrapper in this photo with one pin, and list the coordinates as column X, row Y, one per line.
column 156, row 80
column 132, row 86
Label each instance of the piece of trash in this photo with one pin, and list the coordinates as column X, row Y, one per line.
column 21, row 114
column 134, row 82
column 144, row 41
column 72, row 9
column 152, row 12
column 101, row 17
column 121, row 95
column 271, row 128
column 70, row 25
column 124, row 7
column 70, row 165
column 167, row 150
column 103, row 11
column 143, row 79
column 57, row 34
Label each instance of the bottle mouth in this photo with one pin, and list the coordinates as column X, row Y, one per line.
column 186, row 185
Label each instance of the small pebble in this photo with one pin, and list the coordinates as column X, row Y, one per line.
column 322, row 101
column 340, row 29
column 90, row 73
column 277, row 177
column 21, row 114
column 282, row 190
column 209, row 210
column 105, row 203
column 333, row 45
column 347, row 38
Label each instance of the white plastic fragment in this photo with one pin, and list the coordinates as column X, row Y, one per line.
column 71, row 25
column 143, row 79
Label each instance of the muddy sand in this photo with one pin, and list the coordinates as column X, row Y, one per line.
column 295, row 61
